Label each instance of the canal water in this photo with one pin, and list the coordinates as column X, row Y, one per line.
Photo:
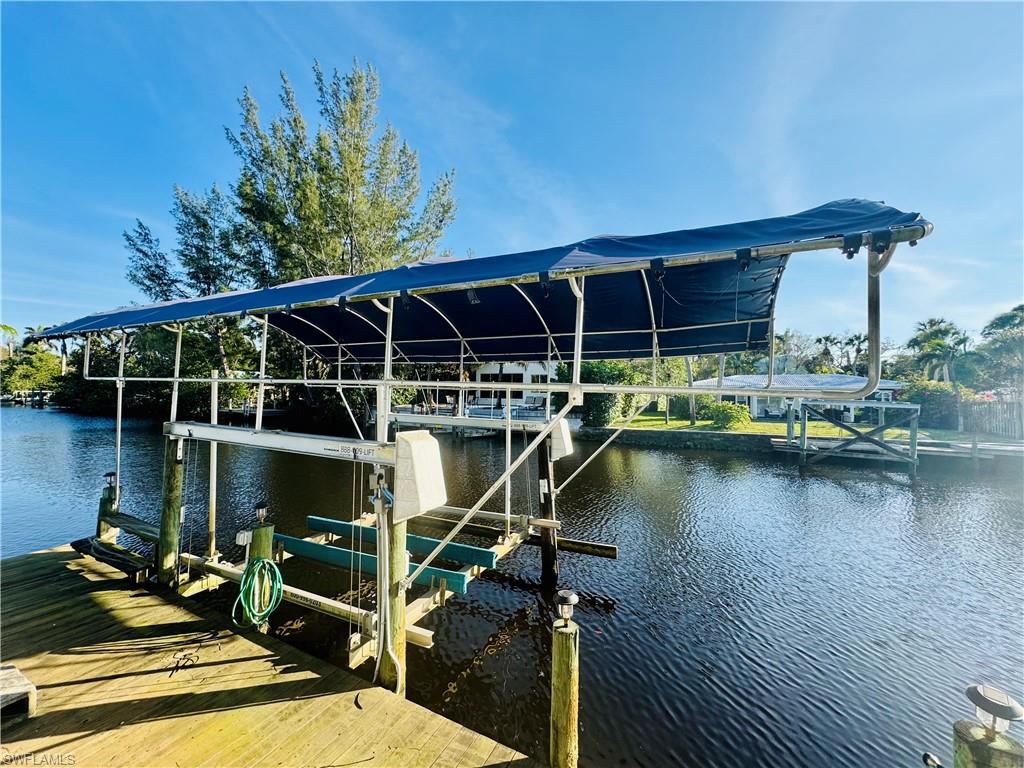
column 754, row 616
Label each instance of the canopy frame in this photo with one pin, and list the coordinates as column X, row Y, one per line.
column 880, row 245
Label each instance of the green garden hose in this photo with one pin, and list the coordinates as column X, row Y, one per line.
column 259, row 592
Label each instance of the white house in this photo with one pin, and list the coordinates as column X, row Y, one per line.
column 762, row 407
column 522, row 374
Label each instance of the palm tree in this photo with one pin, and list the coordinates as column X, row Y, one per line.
column 50, row 344
column 854, row 345
column 939, row 344
column 1006, row 321
column 10, row 333
column 825, row 357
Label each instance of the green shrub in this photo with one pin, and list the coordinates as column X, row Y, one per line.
column 937, row 400
column 727, row 415
column 681, row 406
column 601, row 410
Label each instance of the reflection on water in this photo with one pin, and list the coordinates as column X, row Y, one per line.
column 754, row 617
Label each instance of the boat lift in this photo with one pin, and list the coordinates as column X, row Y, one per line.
column 692, row 292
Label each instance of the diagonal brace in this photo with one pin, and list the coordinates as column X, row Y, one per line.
column 867, row 437
column 542, row 435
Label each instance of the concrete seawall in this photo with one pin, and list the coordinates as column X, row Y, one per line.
column 682, row 438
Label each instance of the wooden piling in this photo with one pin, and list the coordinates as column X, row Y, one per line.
column 564, row 749
column 548, row 536
column 105, row 532
column 803, row 435
column 392, row 670
column 170, row 513
column 262, row 544
column 972, row 748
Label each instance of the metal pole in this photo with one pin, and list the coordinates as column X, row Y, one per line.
column 577, row 287
column 263, row 373
column 177, row 374
column 462, row 372
column 603, row 445
column 384, row 389
column 547, row 395
column 211, row 514
column 721, row 374
column 392, row 557
column 508, row 461
column 689, row 383
column 117, row 428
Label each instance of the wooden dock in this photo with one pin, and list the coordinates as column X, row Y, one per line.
column 128, row 676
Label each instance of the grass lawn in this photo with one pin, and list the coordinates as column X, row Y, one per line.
column 656, row 420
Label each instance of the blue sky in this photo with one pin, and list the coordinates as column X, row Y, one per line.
column 561, row 121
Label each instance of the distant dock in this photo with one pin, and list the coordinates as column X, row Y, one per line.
column 134, row 677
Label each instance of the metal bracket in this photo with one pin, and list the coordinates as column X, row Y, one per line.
column 743, row 255
column 881, row 239
column 852, row 244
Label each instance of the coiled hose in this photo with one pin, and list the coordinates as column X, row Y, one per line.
column 259, row 593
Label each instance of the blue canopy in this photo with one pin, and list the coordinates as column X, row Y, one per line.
column 687, row 292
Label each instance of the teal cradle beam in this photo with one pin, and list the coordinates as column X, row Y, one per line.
column 346, row 558
column 418, row 545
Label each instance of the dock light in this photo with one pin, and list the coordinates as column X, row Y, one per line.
column 995, row 708
column 110, row 477
column 261, row 511
column 565, row 600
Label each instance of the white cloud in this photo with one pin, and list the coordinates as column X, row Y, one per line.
column 466, row 127
column 798, row 59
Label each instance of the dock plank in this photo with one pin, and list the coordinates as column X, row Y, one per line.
column 127, row 676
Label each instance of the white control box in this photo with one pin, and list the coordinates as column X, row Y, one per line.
column 419, row 478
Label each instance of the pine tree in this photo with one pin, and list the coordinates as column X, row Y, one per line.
column 342, row 200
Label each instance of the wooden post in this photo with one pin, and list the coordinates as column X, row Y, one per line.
column 790, row 426
column 392, row 675
column 913, row 446
column 262, row 544
column 564, row 750
column 973, row 749
column 548, row 536
column 108, row 505
column 803, row 434
column 170, row 514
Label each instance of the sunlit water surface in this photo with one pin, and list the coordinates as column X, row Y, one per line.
column 754, row 616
